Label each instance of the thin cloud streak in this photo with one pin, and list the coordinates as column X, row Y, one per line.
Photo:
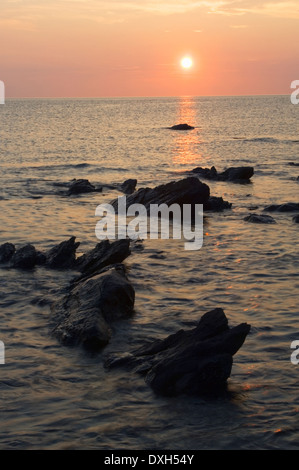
column 114, row 11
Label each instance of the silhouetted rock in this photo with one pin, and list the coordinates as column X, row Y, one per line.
column 237, row 174
column 62, row 255
column 189, row 362
column 104, row 254
column 208, row 173
column 187, row 191
column 40, row 258
column 6, row 252
column 296, row 219
column 80, row 186
column 216, row 204
column 287, row 207
column 293, row 164
column 260, row 219
column 128, row 186
column 181, row 127
column 84, row 315
column 25, row 257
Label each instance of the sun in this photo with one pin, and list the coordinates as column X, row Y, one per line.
column 186, row 62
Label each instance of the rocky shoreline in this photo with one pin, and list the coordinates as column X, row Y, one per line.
column 189, row 361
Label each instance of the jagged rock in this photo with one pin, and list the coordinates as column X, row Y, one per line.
column 287, row 207
column 104, row 254
column 189, row 362
column 260, row 219
column 84, row 315
column 237, row 174
column 6, row 252
column 62, row 255
column 25, row 257
column 81, row 186
column 296, row 219
column 128, row 186
column 187, row 191
column 216, row 204
column 181, row 127
column 208, row 173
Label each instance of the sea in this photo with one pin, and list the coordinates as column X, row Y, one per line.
column 54, row 397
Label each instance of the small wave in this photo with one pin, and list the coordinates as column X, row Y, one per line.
column 271, row 140
column 60, row 166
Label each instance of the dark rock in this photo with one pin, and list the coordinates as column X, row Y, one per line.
column 208, row 173
column 104, row 254
column 287, row 207
column 242, row 173
column 41, row 258
column 181, row 127
column 80, row 186
column 187, row 191
column 6, row 252
column 293, row 164
column 25, row 257
column 216, row 204
column 62, row 255
column 189, row 362
column 128, row 186
column 260, row 219
column 296, row 219
column 84, row 315
column 237, row 174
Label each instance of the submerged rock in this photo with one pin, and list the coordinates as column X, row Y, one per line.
column 189, row 361
column 260, row 219
column 296, row 219
column 187, row 191
column 237, row 174
column 6, row 252
column 84, row 316
column 80, row 186
column 216, row 204
column 181, row 127
column 287, row 207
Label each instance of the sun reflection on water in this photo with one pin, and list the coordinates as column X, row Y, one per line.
column 186, row 147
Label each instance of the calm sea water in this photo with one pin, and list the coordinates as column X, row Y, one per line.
column 53, row 397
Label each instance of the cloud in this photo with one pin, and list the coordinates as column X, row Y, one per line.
column 115, row 11
column 272, row 8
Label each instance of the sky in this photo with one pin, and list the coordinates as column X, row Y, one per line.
column 97, row 48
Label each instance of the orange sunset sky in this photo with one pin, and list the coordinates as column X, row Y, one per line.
column 96, row 48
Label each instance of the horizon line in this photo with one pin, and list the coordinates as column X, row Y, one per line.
column 140, row 96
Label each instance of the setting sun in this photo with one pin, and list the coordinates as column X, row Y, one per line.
column 186, row 62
